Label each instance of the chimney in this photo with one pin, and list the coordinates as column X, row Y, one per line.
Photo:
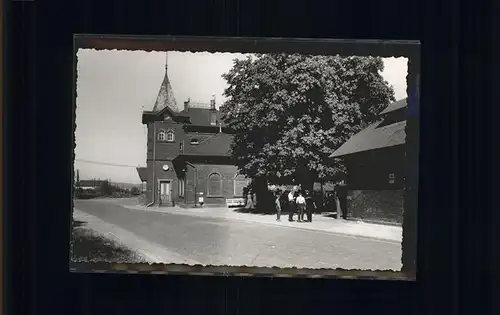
column 186, row 105
column 212, row 102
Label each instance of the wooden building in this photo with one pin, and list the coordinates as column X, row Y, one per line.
column 375, row 162
column 188, row 157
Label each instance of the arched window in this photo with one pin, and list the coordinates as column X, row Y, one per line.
column 240, row 182
column 215, row 184
column 161, row 135
column 170, row 135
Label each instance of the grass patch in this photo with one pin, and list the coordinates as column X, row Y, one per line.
column 87, row 245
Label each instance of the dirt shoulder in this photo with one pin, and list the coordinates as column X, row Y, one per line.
column 143, row 250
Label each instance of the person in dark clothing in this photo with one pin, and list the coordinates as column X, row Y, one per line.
column 342, row 195
column 310, row 206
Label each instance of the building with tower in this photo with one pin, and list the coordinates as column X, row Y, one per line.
column 188, row 161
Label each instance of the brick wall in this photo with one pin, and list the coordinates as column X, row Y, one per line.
column 164, row 149
column 376, row 205
column 228, row 173
column 160, row 174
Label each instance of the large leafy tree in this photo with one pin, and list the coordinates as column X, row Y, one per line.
column 290, row 112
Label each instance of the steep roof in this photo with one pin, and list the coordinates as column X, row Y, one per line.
column 165, row 96
column 373, row 138
column 143, row 173
column 394, row 106
column 216, row 145
column 200, row 116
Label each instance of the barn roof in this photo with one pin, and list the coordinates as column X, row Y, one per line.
column 143, row 173
column 216, row 145
column 373, row 137
column 394, row 106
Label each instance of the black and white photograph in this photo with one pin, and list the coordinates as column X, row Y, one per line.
column 266, row 160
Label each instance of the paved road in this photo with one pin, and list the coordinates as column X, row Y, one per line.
column 219, row 241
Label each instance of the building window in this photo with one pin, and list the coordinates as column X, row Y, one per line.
column 162, row 135
column 240, row 182
column 194, row 141
column 392, row 178
column 182, row 187
column 215, row 185
column 170, row 136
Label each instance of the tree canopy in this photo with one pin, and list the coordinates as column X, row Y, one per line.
column 290, row 112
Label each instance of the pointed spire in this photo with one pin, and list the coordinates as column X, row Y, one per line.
column 165, row 96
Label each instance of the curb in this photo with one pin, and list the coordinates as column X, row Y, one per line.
column 372, row 238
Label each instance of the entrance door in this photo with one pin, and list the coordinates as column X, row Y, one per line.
column 165, row 195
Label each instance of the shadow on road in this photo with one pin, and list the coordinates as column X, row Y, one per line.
column 255, row 211
column 265, row 212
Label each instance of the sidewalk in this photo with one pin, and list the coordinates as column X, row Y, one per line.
column 320, row 222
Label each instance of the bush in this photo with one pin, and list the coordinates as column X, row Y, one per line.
column 86, row 194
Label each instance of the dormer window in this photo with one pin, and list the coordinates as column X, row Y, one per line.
column 166, row 135
column 162, row 135
column 170, row 136
column 194, row 141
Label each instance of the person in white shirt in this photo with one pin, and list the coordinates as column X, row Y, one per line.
column 291, row 205
column 301, row 207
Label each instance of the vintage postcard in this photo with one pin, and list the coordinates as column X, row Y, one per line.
column 236, row 156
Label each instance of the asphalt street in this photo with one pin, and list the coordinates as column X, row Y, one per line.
column 216, row 241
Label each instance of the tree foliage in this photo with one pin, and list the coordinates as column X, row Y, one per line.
column 291, row 112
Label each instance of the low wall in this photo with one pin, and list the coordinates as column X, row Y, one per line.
column 376, row 205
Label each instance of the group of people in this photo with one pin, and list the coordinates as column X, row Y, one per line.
column 297, row 203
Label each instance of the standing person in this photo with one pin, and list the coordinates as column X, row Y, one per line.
column 335, row 201
column 342, row 197
column 310, row 206
column 277, row 203
column 249, row 204
column 291, row 205
column 301, row 206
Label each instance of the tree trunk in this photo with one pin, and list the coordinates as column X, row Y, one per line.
column 261, row 194
column 322, row 194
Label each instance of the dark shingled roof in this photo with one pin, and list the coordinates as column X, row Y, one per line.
column 394, row 106
column 373, row 138
column 216, row 145
column 200, row 116
column 143, row 173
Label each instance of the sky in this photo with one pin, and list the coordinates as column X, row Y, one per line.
column 115, row 86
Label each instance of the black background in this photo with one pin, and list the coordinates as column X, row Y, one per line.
column 455, row 267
